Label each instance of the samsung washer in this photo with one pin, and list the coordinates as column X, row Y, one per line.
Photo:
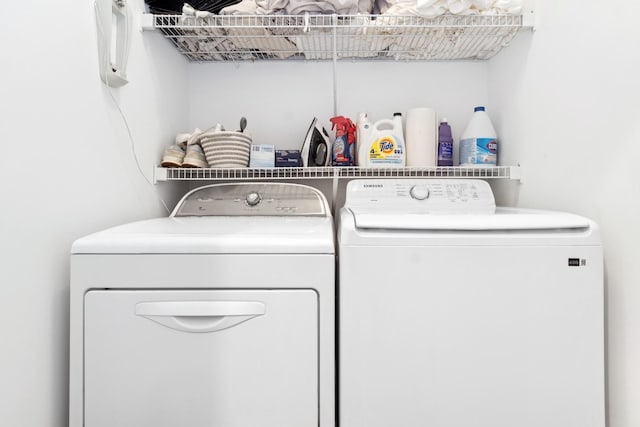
column 221, row 314
column 455, row 313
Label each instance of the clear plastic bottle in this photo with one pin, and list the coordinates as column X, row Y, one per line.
column 479, row 141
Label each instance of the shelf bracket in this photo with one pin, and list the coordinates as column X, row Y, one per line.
column 515, row 173
column 147, row 22
column 160, row 174
column 529, row 15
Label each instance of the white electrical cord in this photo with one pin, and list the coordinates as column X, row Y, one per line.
column 106, row 61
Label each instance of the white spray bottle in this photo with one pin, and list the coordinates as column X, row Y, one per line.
column 363, row 130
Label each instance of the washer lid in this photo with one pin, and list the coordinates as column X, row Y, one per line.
column 504, row 219
column 420, row 196
column 214, row 235
column 443, row 204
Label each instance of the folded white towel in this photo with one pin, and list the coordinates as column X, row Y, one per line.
column 381, row 6
column 260, row 39
column 402, row 7
column 482, row 5
column 267, row 7
column 245, row 7
column 510, row 7
column 365, row 6
column 188, row 10
column 433, row 8
column 299, row 7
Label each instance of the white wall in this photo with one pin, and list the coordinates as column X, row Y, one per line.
column 280, row 99
column 567, row 100
column 67, row 169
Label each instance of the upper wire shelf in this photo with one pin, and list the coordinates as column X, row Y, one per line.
column 207, row 174
column 334, row 37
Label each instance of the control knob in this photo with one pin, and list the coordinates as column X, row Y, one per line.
column 253, row 198
column 419, row 192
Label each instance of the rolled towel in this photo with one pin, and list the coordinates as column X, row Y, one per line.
column 509, row 7
column 365, row 7
column 268, row 7
column 458, row 7
column 341, row 7
column 195, row 137
column 431, row 8
column 245, row 7
column 402, row 7
column 482, row 5
column 381, row 6
column 203, row 14
column 188, row 10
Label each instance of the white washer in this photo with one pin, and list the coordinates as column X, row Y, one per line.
column 454, row 313
column 220, row 315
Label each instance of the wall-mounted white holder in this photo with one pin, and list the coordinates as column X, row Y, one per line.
column 529, row 14
column 112, row 21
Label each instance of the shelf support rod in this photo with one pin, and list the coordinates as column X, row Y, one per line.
column 334, row 21
column 334, row 190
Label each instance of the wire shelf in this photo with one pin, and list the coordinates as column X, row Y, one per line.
column 329, row 37
column 209, row 174
column 510, row 172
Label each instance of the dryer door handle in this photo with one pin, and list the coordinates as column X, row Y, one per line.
column 200, row 316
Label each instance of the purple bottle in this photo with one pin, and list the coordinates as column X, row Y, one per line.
column 445, row 144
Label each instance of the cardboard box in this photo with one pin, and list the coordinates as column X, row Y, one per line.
column 288, row 159
column 262, row 156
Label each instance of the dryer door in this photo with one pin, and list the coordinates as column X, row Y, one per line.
column 201, row 358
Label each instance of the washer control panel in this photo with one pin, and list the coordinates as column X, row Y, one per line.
column 425, row 195
column 253, row 199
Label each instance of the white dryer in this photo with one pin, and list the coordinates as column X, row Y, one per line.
column 454, row 313
column 220, row 315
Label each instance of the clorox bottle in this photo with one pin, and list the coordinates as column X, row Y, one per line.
column 479, row 141
column 384, row 146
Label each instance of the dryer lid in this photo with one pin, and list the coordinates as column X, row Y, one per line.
column 253, row 199
column 238, row 218
column 214, row 235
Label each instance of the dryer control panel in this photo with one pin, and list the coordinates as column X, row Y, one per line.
column 253, row 199
column 421, row 195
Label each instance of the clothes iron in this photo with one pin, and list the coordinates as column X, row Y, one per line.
column 315, row 149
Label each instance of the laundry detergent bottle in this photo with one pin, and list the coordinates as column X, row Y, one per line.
column 445, row 144
column 384, row 144
column 479, row 141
